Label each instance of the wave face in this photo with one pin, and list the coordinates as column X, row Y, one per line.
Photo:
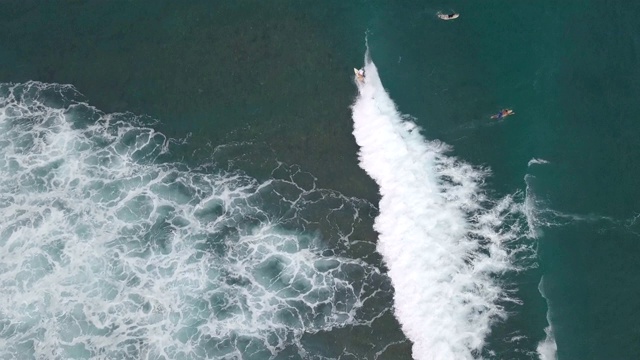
column 109, row 250
column 442, row 238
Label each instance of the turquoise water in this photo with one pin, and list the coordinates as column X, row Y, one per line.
column 198, row 190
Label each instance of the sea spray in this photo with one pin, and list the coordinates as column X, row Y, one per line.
column 442, row 238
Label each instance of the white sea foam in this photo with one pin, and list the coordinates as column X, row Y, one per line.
column 441, row 237
column 547, row 348
column 533, row 209
column 535, row 161
column 106, row 251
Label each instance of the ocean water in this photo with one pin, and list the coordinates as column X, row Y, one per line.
column 209, row 181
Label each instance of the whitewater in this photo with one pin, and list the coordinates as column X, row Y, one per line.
column 444, row 240
column 108, row 250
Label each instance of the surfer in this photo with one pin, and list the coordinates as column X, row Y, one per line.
column 503, row 113
column 448, row 16
column 359, row 74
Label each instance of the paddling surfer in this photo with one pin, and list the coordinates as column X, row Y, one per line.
column 448, row 16
column 503, row 114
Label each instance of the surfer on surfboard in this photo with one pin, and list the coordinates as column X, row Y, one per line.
column 448, row 16
column 503, row 114
column 359, row 74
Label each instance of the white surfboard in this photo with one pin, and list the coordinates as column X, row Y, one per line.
column 448, row 16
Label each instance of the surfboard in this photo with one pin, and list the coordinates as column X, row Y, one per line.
column 358, row 76
column 448, row 16
column 497, row 116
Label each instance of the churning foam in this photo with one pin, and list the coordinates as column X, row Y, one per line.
column 109, row 251
column 441, row 237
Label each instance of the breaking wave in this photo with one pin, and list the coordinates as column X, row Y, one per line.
column 445, row 241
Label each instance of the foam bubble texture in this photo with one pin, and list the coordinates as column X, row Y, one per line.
column 109, row 251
